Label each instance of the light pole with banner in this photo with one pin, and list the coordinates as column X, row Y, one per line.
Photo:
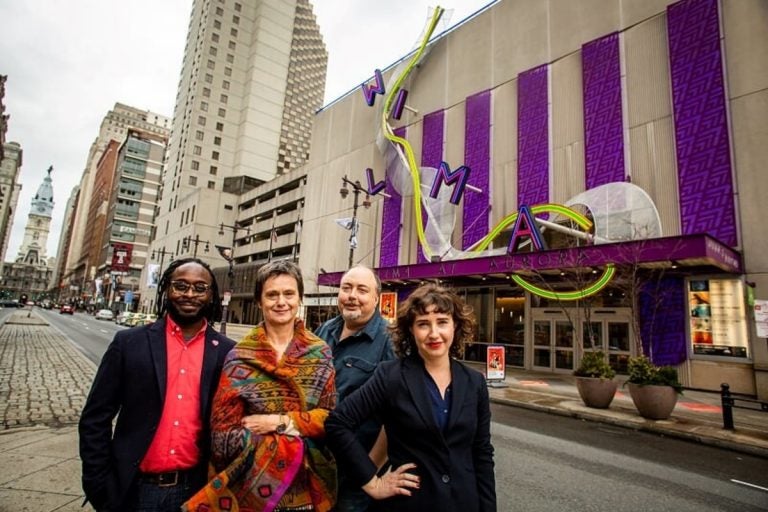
column 228, row 253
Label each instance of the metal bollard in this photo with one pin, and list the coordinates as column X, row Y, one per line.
column 727, row 403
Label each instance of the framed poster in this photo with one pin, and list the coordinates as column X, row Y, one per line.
column 388, row 306
column 717, row 317
column 495, row 365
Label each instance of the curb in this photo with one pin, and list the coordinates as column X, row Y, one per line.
column 640, row 424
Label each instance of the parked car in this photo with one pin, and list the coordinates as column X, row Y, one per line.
column 67, row 309
column 124, row 317
column 105, row 314
column 148, row 319
column 136, row 319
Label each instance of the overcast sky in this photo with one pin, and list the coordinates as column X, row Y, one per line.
column 69, row 62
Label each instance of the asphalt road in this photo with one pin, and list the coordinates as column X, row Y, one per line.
column 91, row 336
column 547, row 462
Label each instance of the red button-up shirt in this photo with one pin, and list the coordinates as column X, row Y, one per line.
column 175, row 445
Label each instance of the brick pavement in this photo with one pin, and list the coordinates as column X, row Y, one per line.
column 32, row 356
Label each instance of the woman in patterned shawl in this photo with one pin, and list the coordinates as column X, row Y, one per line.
column 276, row 390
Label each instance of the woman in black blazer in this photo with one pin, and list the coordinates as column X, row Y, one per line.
column 435, row 411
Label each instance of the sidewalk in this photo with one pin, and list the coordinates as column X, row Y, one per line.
column 44, row 381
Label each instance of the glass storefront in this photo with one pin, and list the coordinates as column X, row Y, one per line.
column 542, row 335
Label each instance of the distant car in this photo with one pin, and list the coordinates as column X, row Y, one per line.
column 135, row 319
column 124, row 317
column 148, row 319
column 105, row 314
column 67, row 309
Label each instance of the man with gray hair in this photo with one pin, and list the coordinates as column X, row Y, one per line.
column 359, row 340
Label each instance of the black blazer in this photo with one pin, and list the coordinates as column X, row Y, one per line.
column 130, row 383
column 456, row 467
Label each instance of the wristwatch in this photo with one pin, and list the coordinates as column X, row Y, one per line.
column 281, row 426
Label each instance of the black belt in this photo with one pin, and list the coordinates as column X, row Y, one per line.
column 165, row 479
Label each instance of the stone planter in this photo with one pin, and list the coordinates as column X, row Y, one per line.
column 595, row 392
column 653, row 402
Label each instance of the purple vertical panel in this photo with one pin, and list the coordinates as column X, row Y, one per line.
column 701, row 127
column 431, row 153
column 390, row 220
column 662, row 321
column 603, row 127
column 532, row 137
column 477, row 154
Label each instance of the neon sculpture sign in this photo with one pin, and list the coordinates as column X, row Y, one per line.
column 526, row 226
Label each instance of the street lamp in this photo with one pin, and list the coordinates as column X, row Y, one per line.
column 188, row 240
column 229, row 255
column 356, row 190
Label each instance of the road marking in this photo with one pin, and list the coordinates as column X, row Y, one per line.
column 749, row 485
column 102, row 330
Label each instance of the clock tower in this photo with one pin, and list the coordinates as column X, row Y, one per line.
column 33, row 248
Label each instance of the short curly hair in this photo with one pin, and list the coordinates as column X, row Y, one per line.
column 445, row 301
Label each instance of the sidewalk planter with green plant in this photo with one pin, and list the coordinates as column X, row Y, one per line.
column 653, row 389
column 594, row 380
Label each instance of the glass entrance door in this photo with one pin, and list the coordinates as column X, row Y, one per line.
column 553, row 344
column 610, row 332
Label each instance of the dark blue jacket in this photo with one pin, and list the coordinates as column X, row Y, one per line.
column 130, row 384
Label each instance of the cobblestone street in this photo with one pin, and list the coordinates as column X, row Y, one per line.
column 28, row 366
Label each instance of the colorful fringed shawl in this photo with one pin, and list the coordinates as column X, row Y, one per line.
column 256, row 471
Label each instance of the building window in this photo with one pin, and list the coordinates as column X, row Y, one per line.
column 215, row 39
column 211, row 65
column 197, row 150
column 219, row 11
column 225, row 85
column 208, row 78
column 214, row 155
column 211, row 184
column 235, row 19
column 216, row 24
column 224, row 98
column 219, row 127
column 204, row 106
column 230, row 58
column 222, row 112
column 232, row 45
column 201, row 120
column 238, row 7
column 199, row 134
column 193, row 181
column 227, row 71
column 214, row 170
column 195, row 165
column 206, row 92
column 217, row 141
column 233, row 32
column 212, row 50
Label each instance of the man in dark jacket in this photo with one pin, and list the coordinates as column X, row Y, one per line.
column 159, row 380
column 359, row 341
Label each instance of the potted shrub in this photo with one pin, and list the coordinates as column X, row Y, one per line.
column 653, row 389
column 594, row 380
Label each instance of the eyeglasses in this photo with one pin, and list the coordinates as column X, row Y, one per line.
column 183, row 287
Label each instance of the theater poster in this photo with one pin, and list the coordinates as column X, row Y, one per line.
column 495, row 364
column 717, row 317
column 388, row 306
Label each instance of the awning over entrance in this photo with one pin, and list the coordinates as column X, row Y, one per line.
column 696, row 251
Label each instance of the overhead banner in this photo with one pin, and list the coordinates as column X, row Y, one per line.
column 153, row 275
column 121, row 257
